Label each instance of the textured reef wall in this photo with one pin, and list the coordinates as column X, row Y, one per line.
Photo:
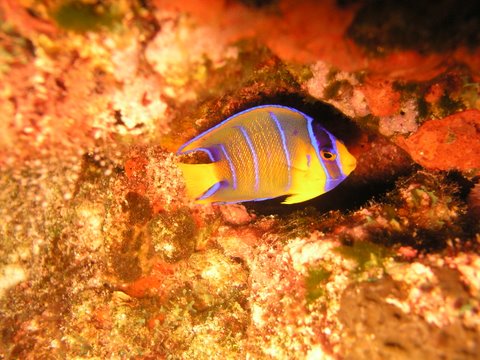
column 102, row 255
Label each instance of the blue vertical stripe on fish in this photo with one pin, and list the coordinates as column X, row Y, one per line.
column 230, row 165
column 285, row 149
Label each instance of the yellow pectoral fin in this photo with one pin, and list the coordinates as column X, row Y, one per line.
column 199, row 178
column 306, row 185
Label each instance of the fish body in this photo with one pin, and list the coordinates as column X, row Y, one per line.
column 266, row 152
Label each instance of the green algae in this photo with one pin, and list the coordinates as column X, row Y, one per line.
column 419, row 193
column 300, row 73
column 80, row 16
column 315, row 282
column 367, row 255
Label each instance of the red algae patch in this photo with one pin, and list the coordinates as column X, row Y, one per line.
column 450, row 143
column 381, row 98
column 408, row 65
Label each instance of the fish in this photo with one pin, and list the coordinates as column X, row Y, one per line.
column 263, row 153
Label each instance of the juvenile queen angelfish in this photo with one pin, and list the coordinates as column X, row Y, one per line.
column 265, row 152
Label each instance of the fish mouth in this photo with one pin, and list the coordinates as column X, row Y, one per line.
column 350, row 166
column 348, row 163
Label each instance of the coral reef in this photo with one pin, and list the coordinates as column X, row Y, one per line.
column 102, row 255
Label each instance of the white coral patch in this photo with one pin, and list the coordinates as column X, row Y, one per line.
column 402, row 123
column 317, row 353
column 125, row 61
column 140, row 106
column 469, row 267
column 258, row 314
column 180, row 51
column 316, row 85
column 10, row 275
column 351, row 103
column 306, row 253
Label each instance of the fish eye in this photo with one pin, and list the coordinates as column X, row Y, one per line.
column 328, row 155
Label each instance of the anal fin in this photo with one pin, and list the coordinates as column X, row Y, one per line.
column 297, row 198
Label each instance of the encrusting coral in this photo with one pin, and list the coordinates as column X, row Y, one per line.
column 102, row 255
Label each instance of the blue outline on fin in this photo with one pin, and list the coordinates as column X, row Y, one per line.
column 254, row 155
column 213, row 189
column 285, row 149
column 230, row 165
column 331, row 184
column 180, row 150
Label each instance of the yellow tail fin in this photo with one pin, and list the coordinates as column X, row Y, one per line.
column 199, row 178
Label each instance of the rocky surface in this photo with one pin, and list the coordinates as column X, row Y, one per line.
column 103, row 256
